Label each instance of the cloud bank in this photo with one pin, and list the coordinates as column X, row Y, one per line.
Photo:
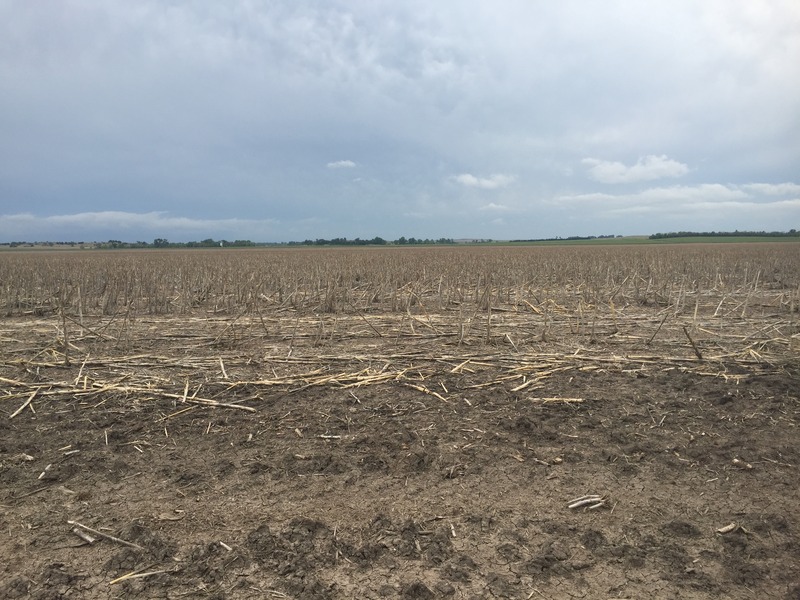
column 246, row 113
column 646, row 168
column 128, row 226
column 702, row 207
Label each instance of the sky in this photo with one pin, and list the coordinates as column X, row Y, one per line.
column 275, row 121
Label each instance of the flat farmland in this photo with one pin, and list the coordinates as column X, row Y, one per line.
column 444, row 422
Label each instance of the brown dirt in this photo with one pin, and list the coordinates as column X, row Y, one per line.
column 383, row 489
column 401, row 425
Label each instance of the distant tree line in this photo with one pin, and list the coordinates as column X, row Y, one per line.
column 48, row 244
column 156, row 243
column 209, row 243
column 376, row 241
column 571, row 238
column 683, row 234
column 165, row 243
column 212, row 243
column 379, row 241
column 402, row 241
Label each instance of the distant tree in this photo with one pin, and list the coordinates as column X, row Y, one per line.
column 160, row 242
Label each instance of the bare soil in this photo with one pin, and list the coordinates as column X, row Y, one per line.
column 383, row 467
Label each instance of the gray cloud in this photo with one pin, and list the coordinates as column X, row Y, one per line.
column 772, row 189
column 223, row 113
column 120, row 224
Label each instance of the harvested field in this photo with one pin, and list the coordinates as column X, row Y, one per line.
column 576, row 422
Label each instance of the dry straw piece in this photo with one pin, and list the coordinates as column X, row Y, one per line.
column 199, row 329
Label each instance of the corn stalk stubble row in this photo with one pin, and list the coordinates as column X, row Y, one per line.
column 289, row 321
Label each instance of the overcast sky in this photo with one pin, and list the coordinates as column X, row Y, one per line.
column 286, row 120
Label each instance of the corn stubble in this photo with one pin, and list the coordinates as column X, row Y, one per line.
column 741, row 298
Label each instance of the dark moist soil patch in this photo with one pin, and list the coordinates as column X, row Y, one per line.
column 392, row 493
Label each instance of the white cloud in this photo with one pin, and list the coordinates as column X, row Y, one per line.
column 486, row 183
column 341, row 164
column 727, row 200
column 702, row 207
column 647, row 199
column 492, row 206
column 647, row 168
